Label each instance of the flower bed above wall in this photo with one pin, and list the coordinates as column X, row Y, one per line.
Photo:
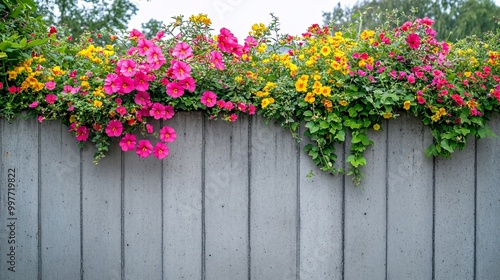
column 339, row 83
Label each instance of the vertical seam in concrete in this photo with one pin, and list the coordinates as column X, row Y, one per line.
column 249, row 213
column 39, row 126
column 474, row 270
column 297, row 232
column 122, row 214
column 433, row 260
column 387, row 200
column 203, row 230
column 81, row 216
column 162, row 223
column 162, row 217
column 344, row 164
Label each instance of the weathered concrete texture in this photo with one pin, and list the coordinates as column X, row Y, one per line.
column 234, row 201
column 488, row 206
column 19, row 166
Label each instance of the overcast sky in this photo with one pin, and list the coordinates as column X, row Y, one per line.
column 238, row 15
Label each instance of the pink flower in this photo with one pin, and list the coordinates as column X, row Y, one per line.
column 144, row 148
column 251, row 109
column 458, row 99
column 128, row 67
column 142, row 98
column 82, row 133
column 144, row 45
column 40, row 119
column 127, row 143
column 413, row 40
column 169, row 112
column 1, row 85
column 121, row 110
column 180, row 70
column 175, row 90
column 132, row 51
column 221, row 103
column 188, row 84
column 229, row 106
column 114, row 128
column 242, row 107
column 159, row 35
column 157, row 111
column 50, row 85
column 167, row 134
column 149, row 128
column 233, row 117
column 135, row 35
column 216, row 60
column 161, row 150
column 420, row 100
column 110, row 85
column 34, row 104
column 155, row 57
column 50, row 98
column 182, row 51
column 141, row 81
column 208, row 99
column 125, row 84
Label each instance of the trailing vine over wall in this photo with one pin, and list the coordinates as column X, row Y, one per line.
column 340, row 83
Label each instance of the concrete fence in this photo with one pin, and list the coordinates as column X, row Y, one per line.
column 234, row 201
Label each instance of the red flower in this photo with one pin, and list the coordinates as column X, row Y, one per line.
column 413, row 40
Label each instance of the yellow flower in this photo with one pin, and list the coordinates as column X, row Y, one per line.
column 238, row 79
column 85, row 85
column 267, row 101
column 387, row 115
column 376, row 126
column 325, row 91
column 262, row 48
column 97, row 103
column 325, row 50
column 12, row 75
column 467, row 74
column 367, row 34
column 72, row 118
column 309, row 97
column 407, row 105
column 343, row 103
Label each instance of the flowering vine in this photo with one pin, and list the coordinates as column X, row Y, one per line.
column 338, row 83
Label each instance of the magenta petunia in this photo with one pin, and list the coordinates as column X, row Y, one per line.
column 169, row 112
column 121, row 110
column 188, row 84
column 125, row 84
column 174, row 89
column 208, row 99
column 180, row 70
column 114, row 128
column 157, row 111
column 144, row 148
column 128, row 67
column 127, row 143
column 50, row 98
column 155, row 57
column 167, row 134
column 149, row 128
column 221, row 104
column 141, row 81
column 233, row 117
column 229, row 105
column 50, row 85
column 161, row 150
column 182, row 51
column 110, row 85
column 34, row 104
column 82, row 133
column 216, row 60
column 413, row 40
column 251, row 109
column 242, row 107
column 142, row 98
column 144, row 45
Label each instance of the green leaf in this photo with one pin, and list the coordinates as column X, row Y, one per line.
column 324, row 124
column 308, row 113
column 3, row 55
column 445, row 145
column 4, row 45
column 340, row 136
column 36, row 42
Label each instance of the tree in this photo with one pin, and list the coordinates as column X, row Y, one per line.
column 76, row 16
column 151, row 27
column 454, row 19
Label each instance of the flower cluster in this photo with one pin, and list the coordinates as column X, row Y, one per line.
column 340, row 84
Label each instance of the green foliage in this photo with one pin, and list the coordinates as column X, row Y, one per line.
column 454, row 19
